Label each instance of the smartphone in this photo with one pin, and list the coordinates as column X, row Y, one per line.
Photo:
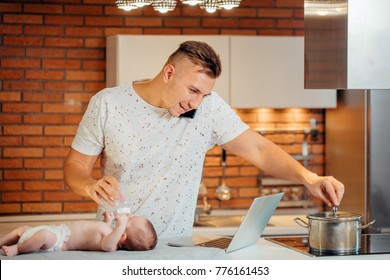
column 189, row 114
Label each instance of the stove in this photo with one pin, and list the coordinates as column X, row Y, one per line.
column 370, row 244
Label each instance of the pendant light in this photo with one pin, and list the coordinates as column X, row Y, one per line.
column 164, row 6
column 192, row 2
column 229, row 4
column 209, row 5
column 141, row 3
column 125, row 5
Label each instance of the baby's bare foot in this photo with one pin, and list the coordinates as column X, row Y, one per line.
column 10, row 250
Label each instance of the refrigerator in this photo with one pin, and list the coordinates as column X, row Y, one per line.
column 358, row 153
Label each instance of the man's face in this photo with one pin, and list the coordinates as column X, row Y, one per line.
column 186, row 88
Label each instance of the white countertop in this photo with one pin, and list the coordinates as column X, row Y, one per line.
column 267, row 250
column 282, row 262
column 262, row 250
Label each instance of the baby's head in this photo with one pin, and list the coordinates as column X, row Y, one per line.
column 140, row 234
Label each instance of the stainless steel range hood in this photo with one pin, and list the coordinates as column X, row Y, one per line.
column 347, row 44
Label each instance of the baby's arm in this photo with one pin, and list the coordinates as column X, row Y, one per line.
column 110, row 242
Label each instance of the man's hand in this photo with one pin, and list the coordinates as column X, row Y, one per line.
column 326, row 188
column 105, row 189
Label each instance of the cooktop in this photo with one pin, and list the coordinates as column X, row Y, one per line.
column 370, row 244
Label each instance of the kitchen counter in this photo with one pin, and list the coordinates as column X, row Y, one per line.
column 280, row 262
column 262, row 250
column 267, row 250
column 280, row 225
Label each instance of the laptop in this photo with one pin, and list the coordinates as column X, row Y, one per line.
column 247, row 234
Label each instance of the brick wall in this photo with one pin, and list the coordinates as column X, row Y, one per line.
column 52, row 60
column 244, row 179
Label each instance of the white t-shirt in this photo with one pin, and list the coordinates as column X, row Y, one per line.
column 156, row 158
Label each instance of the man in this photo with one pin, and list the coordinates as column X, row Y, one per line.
column 154, row 156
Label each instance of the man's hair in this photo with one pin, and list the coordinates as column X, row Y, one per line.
column 200, row 54
column 141, row 239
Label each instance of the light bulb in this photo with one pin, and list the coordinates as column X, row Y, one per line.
column 141, row 3
column 192, row 2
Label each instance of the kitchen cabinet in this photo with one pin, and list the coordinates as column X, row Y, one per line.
column 269, row 72
column 257, row 71
column 135, row 57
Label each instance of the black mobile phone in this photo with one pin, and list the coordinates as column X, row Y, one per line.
column 189, row 114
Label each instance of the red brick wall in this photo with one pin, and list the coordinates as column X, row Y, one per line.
column 52, row 60
column 243, row 178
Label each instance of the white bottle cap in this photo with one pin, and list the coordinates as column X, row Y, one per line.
column 123, row 210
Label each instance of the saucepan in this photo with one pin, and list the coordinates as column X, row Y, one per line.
column 334, row 233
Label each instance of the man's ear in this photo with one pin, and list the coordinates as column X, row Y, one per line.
column 169, row 71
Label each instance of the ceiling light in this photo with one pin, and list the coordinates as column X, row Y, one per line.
column 209, row 5
column 164, row 6
column 191, row 2
column 228, row 4
column 125, row 5
column 141, row 3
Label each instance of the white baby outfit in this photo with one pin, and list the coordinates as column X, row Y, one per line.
column 156, row 158
column 61, row 231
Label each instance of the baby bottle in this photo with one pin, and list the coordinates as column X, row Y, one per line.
column 122, row 206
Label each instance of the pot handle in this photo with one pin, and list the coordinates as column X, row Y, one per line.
column 301, row 222
column 367, row 225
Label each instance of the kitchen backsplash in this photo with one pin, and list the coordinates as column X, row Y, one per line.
column 286, row 128
column 53, row 60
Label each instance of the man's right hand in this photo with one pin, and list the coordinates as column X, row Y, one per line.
column 105, row 189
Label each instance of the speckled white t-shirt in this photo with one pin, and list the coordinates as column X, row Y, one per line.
column 156, row 158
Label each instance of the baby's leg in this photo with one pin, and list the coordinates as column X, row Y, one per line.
column 13, row 236
column 43, row 239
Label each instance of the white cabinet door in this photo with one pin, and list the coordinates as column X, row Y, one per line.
column 135, row 57
column 269, row 72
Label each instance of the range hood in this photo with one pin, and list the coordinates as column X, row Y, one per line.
column 347, row 44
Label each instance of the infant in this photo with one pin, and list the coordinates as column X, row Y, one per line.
column 129, row 233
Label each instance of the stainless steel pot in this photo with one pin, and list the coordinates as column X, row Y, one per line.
column 331, row 233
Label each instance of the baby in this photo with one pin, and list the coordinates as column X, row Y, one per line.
column 130, row 233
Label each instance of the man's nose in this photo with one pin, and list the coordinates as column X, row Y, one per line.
column 195, row 102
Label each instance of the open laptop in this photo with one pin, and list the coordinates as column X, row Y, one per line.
column 249, row 231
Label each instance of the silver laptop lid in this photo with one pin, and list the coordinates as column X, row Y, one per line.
column 255, row 221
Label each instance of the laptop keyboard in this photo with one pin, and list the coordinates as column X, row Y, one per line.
column 221, row 243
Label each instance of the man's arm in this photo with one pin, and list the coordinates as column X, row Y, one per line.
column 77, row 175
column 270, row 158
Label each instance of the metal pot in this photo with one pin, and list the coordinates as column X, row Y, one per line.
column 336, row 234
